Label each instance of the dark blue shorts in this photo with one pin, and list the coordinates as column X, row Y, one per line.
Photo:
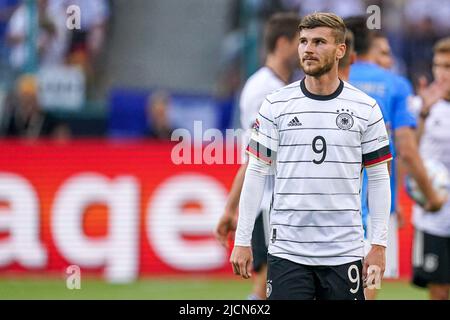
column 287, row 280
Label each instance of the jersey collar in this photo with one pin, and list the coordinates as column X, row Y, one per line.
column 321, row 97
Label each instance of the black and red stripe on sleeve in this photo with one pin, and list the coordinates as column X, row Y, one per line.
column 261, row 152
column 378, row 156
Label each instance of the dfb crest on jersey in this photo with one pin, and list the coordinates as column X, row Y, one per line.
column 344, row 120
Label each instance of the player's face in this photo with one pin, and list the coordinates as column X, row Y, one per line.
column 441, row 69
column 381, row 51
column 318, row 51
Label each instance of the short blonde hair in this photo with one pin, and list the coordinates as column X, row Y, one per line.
column 442, row 46
column 325, row 19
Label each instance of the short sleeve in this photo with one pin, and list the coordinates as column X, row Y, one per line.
column 263, row 142
column 375, row 140
column 402, row 117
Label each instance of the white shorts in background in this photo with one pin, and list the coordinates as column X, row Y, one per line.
column 392, row 247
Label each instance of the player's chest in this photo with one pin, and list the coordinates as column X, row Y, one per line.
column 338, row 122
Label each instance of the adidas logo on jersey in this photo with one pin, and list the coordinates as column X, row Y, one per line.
column 294, row 122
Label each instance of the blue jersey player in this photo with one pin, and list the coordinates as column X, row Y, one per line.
column 391, row 92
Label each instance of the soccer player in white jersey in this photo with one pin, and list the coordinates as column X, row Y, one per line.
column 315, row 135
column 431, row 253
column 281, row 43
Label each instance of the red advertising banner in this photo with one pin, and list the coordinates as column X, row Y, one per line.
column 121, row 209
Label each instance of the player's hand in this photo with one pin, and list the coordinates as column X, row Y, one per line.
column 242, row 261
column 376, row 260
column 435, row 203
column 430, row 93
column 225, row 226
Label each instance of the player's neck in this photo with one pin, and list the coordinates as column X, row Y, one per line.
column 278, row 67
column 323, row 85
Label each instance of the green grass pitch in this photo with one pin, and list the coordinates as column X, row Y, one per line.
column 165, row 288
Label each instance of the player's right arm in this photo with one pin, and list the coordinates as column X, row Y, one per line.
column 262, row 150
column 249, row 107
column 251, row 196
column 227, row 223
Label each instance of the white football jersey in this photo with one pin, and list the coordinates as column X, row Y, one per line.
column 435, row 144
column 317, row 146
column 258, row 86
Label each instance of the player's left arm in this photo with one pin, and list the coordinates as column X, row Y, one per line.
column 376, row 155
column 379, row 207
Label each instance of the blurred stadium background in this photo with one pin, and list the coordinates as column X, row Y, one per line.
column 86, row 176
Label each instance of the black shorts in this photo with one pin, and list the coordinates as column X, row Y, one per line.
column 431, row 259
column 287, row 280
column 259, row 246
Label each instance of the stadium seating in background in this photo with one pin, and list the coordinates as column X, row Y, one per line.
column 127, row 116
column 89, row 123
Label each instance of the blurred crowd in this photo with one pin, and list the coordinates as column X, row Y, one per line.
column 43, row 23
column 39, row 50
column 34, row 37
column 412, row 27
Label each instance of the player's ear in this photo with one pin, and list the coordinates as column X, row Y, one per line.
column 340, row 52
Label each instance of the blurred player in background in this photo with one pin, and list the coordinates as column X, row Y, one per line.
column 431, row 253
column 381, row 51
column 281, row 43
column 158, row 122
column 349, row 57
column 382, row 55
column 392, row 93
column 312, row 135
